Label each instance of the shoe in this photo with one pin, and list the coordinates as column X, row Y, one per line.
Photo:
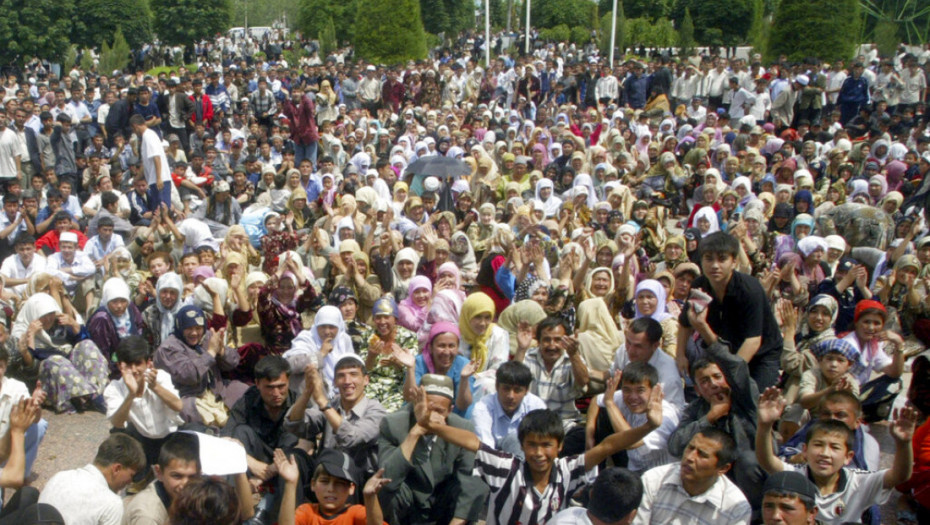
column 98, row 404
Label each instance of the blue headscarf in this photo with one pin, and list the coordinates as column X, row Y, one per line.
column 187, row 317
column 806, row 196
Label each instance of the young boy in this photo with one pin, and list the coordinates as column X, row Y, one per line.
column 614, row 498
column 178, row 463
column 836, row 358
column 332, row 484
column 535, row 488
column 497, row 417
column 844, row 494
column 143, row 403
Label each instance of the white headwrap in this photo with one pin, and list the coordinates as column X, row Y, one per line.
column 305, row 348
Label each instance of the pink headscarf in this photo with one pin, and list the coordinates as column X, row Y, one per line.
column 451, row 268
column 894, row 174
column 442, row 327
column 411, row 316
column 447, row 304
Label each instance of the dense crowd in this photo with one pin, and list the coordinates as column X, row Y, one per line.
column 675, row 289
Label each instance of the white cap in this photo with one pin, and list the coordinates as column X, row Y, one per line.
column 803, row 80
column 836, row 242
column 431, row 184
column 68, row 237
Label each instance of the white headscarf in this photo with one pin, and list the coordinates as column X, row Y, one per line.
column 552, row 204
column 305, row 348
column 34, row 308
column 405, row 254
column 583, row 179
column 707, row 212
column 202, row 297
column 656, row 288
column 171, row 281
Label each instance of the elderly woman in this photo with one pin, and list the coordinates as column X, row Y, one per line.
column 116, row 318
column 323, row 345
column 71, row 368
column 158, row 318
column 385, row 351
column 196, row 360
column 354, row 272
column 441, row 356
column 285, row 295
column 598, row 340
column 650, row 300
column 405, row 265
column 482, row 341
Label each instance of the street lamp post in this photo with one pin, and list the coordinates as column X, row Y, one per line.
column 613, row 33
column 527, row 28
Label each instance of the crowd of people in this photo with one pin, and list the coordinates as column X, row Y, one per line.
column 674, row 289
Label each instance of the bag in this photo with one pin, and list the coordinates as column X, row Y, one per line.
column 211, row 409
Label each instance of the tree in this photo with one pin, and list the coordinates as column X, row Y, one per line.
column 31, row 28
column 550, row 13
column 312, row 15
column 885, row 36
column 328, row 38
column 759, row 30
column 377, row 34
column 100, row 19
column 651, row 33
column 731, row 18
column 264, row 13
column 911, row 19
column 650, row 9
column 619, row 38
column 116, row 56
column 182, row 22
column 810, row 28
column 686, row 34
column 447, row 16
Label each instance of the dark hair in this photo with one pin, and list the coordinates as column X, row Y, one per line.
column 24, row 238
column 382, row 163
column 701, row 364
column 54, row 193
column 514, row 373
column 325, row 158
column 352, row 362
column 108, row 198
column 179, row 446
column 808, row 503
column 105, row 221
column 615, row 494
column 542, row 422
column 728, row 451
column 841, row 396
column 649, row 326
column 133, row 349
column 205, row 501
column 550, row 323
column 271, row 367
column 719, row 243
column 136, row 120
column 831, row 426
column 120, row 449
column 637, row 372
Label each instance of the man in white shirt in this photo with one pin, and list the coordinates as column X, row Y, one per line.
column 88, row 495
column 642, row 340
column 12, row 392
column 75, row 269
column 154, row 162
column 915, row 83
column 615, row 495
column 10, row 157
column 18, row 268
column 497, row 417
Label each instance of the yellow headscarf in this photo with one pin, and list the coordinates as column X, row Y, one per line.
column 298, row 193
column 475, row 304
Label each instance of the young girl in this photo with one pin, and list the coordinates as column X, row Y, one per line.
column 872, row 340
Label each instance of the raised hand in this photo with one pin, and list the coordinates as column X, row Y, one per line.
column 24, row 415
column 375, row 483
column 403, row 357
column 570, row 344
column 654, row 406
column 217, row 341
column 421, row 409
column 905, row 420
column 611, row 385
column 469, row 369
column 524, row 335
column 771, row 406
column 286, row 466
column 136, row 388
column 789, row 316
column 39, row 395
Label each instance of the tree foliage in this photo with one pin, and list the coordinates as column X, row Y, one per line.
column 550, row 13
column 328, row 38
column 759, row 30
column 265, row 12
column 810, row 28
column 389, row 31
column 731, row 18
column 651, row 33
column 182, row 22
column 619, row 38
column 911, row 19
column 100, row 19
column 312, row 15
column 580, row 35
column 116, row 56
column 686, row 34
column 34, row 28
column 447, row 16
column 559, row 33
column 651, row 9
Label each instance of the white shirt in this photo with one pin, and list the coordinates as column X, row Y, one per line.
column 856, row 491
column 11, row 392
column 492, row 425
column 148, row 414
column 94, row 201
column 12, row 268
column 9, row 150
column 666, row 502
column 572, row 516
column 665, row 365
column 654, row 450
column 152, row 152
column 83, row 497
column 914, row 86
column 82, row 266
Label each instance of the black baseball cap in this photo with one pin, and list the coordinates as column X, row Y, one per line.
column 336, row 463
column 793, row 482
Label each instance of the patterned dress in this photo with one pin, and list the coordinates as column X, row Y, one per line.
column 386, row 382
column 83, row 372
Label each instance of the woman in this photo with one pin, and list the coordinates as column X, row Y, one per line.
column 72, row 370
column 598, row 340
column 237, row 240
column 322, row 346
column 297, row 206
column 345, row 300
column 482, row 341
column 244, row 316
column 872, row 340
column 385, row 351
column 123, row 266
column 597, row 283
column 326, row 107
column 354, row 268
column 649, row 300
column 404, row 269
column 285, row 295
column 158, row 318
column 412, row 311
column 116, row 318
column 441, row 356
column 705, row 220
column 528, row 311
column 447, row 305
column 196, row 360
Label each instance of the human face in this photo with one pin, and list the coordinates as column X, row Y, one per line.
column 120, row 477
column 550, row 346
column 638, row 347
column 718, row 267
column 699, row 462
column 604, row 257
column 480, row 323
column 826, row 454
column 421, row 297
column 118, row 307
column 842, row 410
column 868, row 326
column 711, row 384
column 778, row 510
column 510, row 397
column 67, row 250
column 168, row 297
column 176, row 475
column 348, row 309
column 647, row 302
column 331, row 492
column 819, row 318
column 189, row 264
column 193, row 335
column 273, row 391
column 443, row 350
column 384, row 324
column 327, row 332
column 26, row 252
column 600, row 284
column 636, row 396
column 540, row 452
column 833, row 366
column 703, row 224
column 672, row 252
column 158, row 267
column 351, row 383
column 405, row 269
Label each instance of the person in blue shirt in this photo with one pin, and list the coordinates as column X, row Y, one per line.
column 497, row 417
column 148, row 109
column 854, row 93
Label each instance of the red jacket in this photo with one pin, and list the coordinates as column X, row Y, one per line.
column 303, row 121
column 204, row 105
column 50, row 240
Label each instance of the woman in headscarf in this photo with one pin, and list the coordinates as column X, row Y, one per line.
column 244, row 317
column 326, row 106
column 803, row 202
column 158, row 318
column 461, row 255
column 122, row 266
column 196, row 359
column 400, row 197
column 705, row 220
column 297, row 205
column 483, row 342
column 316, row 252
column 598, row 340
column 237, row 240
column 544, row 194
column 285, row 295
column 650, row 300
column 323, row 345
column 386, row 352
column 278, row 238
column 525, row 314
column 404, row 269
column 758, row 242
column 878, row 187
column 354, row 272
column 782, row 216
column 441, row 356
column 479, row 233
column 57, row 350
column 812, row 249
column 903, row 297
column 116, row 318
column 413, row 309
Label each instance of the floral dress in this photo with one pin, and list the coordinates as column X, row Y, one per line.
column 386, row 382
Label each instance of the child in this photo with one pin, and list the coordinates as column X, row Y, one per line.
column 144, row 403
column 875, row 343
column 844, row 494
column 541, row 435
column 332, row 484
column 835, row 357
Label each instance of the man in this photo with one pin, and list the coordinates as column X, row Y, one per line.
column 497, row 417
column 110, row 210
column 301, row 111
column 178, row 463
column 789, row 498
column 695, row 490
column 203, row 106
column 100, row 246
column 853, row 94
column 349, row 423
column 21, row 426
column 756, row 339
column 178, row 109
column 615, row 496
column 75, row 268
column 369, row 91
column 263, row 104
column 12, row 223
column 18, row 268
column 89, row 495
column 49, row 243
column 117, row 121
column 642, row 340
column 11, row 157
column 154, row 162
column 431, row 479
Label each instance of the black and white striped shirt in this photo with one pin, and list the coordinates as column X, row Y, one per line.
column 514, row 500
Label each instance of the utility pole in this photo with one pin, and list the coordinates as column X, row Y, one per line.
column 527, row 28
column 613, row 34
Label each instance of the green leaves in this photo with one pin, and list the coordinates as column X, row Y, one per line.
column 811, row 28
column 389, row 31
column 34, row 28
column 182, row 22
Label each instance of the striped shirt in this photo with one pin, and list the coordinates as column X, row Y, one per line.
column 514, row 500
column 556, row 387
column 667, row 502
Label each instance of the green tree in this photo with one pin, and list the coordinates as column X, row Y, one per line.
column 559, row 33
column 758, row 31
column 34, row 28
column 650, row 9
column 116, row 56
column 377, row 37
column 619, row 38
column 809, row 28
column 911, row 18
column 885, row 35
column 550, row 13
column 686, row 34
column 651, row 33
column 312, row 16
column 264, row 13
column 182, row 22
column 580, row 35
column 731, row 18
column 99, row 20
column 328, row 38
